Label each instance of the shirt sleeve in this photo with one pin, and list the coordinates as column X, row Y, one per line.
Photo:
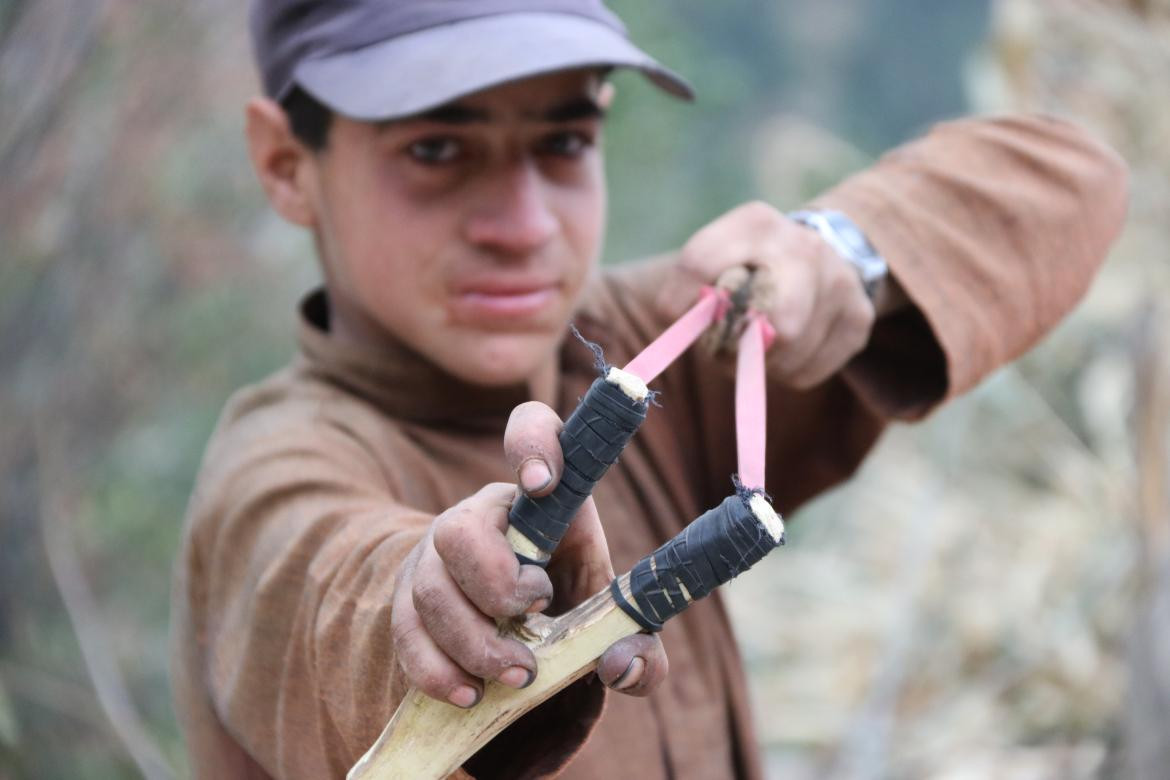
column 994, row 228
column 289, row 564
column 293, row 544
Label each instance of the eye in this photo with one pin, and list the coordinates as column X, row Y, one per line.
column 437, row 150
column 567, row 144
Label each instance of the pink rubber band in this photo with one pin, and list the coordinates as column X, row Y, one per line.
column 675, row 340
column 751, row 404
column 750, row 383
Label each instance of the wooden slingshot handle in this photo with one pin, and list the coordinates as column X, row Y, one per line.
column 428, row 739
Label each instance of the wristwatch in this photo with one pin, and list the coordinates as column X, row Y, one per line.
column 850, row 243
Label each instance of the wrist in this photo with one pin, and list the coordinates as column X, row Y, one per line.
column 852, row 245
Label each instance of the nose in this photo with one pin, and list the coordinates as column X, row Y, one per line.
column 514, row 219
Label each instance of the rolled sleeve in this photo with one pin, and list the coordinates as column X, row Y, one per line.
column 994, row 229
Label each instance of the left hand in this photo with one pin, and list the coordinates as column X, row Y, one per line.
column 819, row 310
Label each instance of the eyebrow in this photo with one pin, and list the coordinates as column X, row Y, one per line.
column 455, row 114
column 577, row 108
column 460, row 114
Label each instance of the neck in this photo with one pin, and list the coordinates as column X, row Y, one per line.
column 545, row 384
column 349, row 325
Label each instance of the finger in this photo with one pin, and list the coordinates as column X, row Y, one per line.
column 796, row 296
column 738, row 237
column 829, row 286
column 532, row 448
column 798, row 317
column 469, row 540
column 635, row 665
column 581, row 565
column 424, row 664
column 466, row 635
column 846, row 337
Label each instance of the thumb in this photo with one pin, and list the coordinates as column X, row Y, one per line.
column 580, row 566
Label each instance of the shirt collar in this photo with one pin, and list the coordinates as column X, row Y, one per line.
column 400, row 381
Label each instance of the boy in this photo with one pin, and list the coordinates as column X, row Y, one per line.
column 346, row 537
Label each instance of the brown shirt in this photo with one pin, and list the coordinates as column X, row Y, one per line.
column 320, row 479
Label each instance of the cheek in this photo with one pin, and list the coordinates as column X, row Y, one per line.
column 390, row 243
column 584, row 223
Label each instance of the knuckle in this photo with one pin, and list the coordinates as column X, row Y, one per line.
column 399, row 631
column 787, row 330
column 451, row 520
column 403, row 635
column 433, row 682
column 428, row 596
column 862, row 319
column 690, row 256
column 480, row 654
column 854, row 324
column 760, row 212
column 488, row 660
column 843, row 280
column 806, row 381
column 498, row 600
column 532, row 583
column 814, row 245
column 453, row 549
column 493, row 605
column 446, row 534
column 500, row 496
column 853, row 288
column 496, row 494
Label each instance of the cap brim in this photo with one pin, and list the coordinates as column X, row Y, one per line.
column 423, row 70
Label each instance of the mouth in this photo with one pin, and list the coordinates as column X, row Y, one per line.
column 503, row 301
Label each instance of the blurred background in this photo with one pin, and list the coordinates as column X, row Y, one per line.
column 989, row 598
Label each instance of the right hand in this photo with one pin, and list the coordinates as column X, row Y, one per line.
column 463, row 576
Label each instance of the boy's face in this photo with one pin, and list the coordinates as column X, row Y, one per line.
column 467, row 232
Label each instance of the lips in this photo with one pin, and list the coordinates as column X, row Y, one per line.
column 502, row 300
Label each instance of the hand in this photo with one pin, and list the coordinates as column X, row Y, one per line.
column 463, row 576
column 819, row 309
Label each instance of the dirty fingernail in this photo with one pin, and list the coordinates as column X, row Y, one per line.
column 464, row 696
column 630, row 677
column 516, row 677
column 540, row 605
column 534, row 475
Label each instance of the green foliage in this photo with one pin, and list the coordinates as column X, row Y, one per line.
column 870, row 72
column 9, row 725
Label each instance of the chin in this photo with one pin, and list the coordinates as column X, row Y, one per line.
column 499, row 360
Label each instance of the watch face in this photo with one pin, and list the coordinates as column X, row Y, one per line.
column 853, row 239
column 850, row 243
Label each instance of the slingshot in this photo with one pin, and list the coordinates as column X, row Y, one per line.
column 429, row 739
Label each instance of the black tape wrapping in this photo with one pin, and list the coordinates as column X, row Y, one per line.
column 719, row 545
column 592, row 439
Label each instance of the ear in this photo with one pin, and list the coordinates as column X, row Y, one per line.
column 283, row 165
column 605, row 95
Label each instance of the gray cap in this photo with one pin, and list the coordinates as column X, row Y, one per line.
column 382, row 59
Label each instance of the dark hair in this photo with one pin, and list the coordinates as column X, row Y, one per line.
column 308, row 118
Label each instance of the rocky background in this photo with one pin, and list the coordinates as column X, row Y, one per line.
column 989, row 598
